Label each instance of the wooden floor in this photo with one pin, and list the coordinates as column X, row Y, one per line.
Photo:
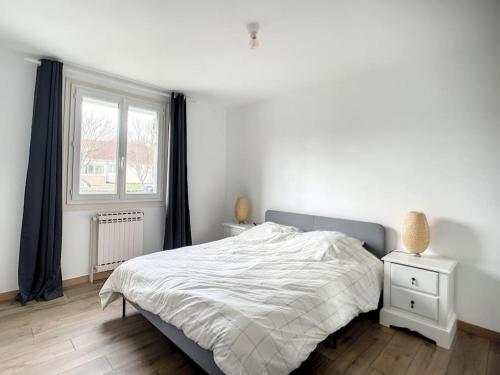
column 72, row 335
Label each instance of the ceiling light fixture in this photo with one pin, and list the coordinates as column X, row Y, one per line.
column 253, row 28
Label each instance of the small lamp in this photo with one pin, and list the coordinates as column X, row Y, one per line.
column 416, row 235
column 241, row 209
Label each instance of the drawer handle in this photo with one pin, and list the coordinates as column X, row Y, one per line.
column 413, row 281
column 412, row 303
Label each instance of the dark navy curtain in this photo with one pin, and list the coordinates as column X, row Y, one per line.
column 40, row 247
column 178, row 225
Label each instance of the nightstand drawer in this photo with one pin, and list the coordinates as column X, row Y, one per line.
column 414, row 278
column 414, row 302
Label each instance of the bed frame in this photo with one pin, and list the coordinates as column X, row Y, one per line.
column 372, row 234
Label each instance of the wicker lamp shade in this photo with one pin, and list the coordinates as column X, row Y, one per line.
column 416, row 235
column 241, row 209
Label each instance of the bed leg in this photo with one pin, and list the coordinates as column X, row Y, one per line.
column 331, row 341
column 123, row 307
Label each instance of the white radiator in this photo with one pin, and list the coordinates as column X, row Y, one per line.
column 115, row 238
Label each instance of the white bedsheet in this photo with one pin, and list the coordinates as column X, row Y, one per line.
column 261, row 301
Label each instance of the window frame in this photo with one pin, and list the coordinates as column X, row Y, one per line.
column 124, row 99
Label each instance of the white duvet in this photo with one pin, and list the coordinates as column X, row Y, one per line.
column 261, row 301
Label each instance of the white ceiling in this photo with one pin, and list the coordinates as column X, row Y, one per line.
column 201, row 47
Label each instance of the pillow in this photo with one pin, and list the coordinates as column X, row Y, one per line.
column 323, row 245
column 274, row 227
column 268, row 231
column 345, row 248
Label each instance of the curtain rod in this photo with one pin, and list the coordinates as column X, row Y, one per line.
column 33, row 61
column 110, row 76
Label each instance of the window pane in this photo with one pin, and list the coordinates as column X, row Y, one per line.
column 142, row 151
column 98, row 146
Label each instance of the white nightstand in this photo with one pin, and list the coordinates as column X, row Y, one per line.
column 233, row 229
column 419, row 294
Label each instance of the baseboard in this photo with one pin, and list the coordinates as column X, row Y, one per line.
column 8, row 296
column 68, row 283
column 479, row 331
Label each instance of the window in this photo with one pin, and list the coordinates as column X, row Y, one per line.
column 116, row 148
column 142, row 151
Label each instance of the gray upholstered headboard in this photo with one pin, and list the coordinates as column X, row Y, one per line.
column 372, row 234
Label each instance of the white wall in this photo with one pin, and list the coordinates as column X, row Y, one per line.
column 16, row 107
column 206, row 176
column 206, row 168
column 416, row 136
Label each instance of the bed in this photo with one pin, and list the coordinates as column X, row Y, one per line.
column 288, row 323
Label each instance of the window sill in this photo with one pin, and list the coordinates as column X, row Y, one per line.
column 111, row 205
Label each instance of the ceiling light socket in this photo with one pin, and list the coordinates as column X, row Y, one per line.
column 253, row 28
